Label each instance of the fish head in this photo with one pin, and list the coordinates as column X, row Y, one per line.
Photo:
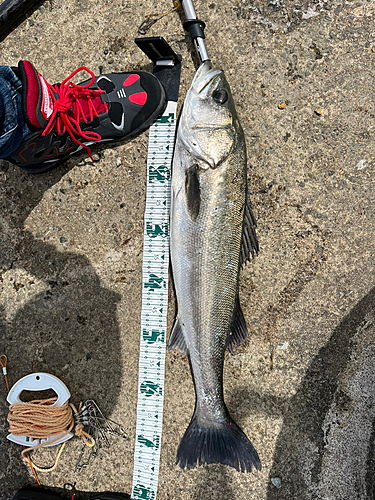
column 209, row 124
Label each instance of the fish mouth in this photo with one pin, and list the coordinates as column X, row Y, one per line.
column 204, row 76
column 190, row 123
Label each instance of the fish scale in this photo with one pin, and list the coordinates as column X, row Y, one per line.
column 212, row 235
column 218, row 300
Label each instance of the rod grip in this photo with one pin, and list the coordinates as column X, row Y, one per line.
column 195, row 27
column 14, row 11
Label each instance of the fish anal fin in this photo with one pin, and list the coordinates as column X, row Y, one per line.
column 238, row 328
column 176, row 339
column 250, row 246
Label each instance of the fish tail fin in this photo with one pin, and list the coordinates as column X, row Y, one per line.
column 212, row 443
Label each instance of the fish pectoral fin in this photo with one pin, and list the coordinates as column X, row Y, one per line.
column 249, row 245
column 238, row 328
column 192, row 191
column 176, row 340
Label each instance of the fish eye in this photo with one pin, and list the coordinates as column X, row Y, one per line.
column 220, row 96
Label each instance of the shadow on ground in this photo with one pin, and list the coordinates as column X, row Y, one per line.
column 67, row 328
column 305, row 413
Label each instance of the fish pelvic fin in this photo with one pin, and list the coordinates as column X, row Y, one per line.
column 176, row 340
column 212, row 443
column 238, row 329
column 249, row 245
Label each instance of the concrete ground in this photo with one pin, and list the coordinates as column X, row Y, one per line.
column 303, row 386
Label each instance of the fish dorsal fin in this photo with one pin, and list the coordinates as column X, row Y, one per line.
column 249, row 245
column 192, row 191
column 176, row 340
column 238, row 328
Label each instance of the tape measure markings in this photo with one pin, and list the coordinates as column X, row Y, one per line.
column 154, row 307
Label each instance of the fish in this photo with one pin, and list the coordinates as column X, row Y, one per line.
column 212, row 235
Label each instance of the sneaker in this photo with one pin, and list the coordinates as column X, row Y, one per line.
column 66, row 118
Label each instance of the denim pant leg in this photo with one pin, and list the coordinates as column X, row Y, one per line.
column 12, row 123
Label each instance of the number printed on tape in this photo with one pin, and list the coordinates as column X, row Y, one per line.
column 154, row 307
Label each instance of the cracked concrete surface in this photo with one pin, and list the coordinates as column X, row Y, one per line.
column 302, row 386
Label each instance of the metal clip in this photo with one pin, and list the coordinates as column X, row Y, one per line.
column 99, row 427
column 146, row 24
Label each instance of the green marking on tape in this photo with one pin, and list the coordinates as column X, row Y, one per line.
column 150, row 388
column 155, row 230
column 155, row 443
column 154, row 307
column 155, row 282
column 152, row 336
column 140, row 491
column 159, row 174
column 167, row 119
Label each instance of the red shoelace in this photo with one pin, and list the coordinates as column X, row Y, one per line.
column 66, row 117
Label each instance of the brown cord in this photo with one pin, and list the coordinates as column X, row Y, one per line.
column 86, row 438
column 39, row 419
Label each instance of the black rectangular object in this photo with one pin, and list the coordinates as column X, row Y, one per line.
column 167, row 64
column 157, row 49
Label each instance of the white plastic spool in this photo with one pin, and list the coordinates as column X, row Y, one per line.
column 39, row 382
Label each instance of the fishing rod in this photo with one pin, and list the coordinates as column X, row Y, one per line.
column 195, row 27
column 12, row 12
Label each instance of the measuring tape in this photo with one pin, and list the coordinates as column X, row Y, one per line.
column 154, row 306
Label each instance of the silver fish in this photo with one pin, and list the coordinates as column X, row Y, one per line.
column 212, row 236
